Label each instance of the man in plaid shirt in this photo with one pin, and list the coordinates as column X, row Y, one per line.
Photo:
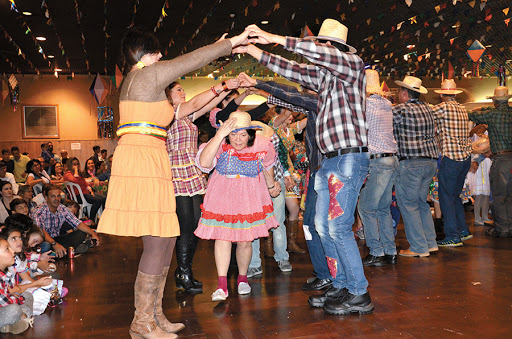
column 337, row 74
column 499, row 121
column 414, row 130
column 453, row 129
column 51, row 216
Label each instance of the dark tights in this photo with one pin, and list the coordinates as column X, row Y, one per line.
column 188, row 210
column 157, row 254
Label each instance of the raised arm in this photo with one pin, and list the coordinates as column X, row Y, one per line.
column 209, row 152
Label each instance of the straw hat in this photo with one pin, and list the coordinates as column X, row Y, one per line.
column 265, row 131
column 500, row 93
column 412, row 83
column 448, row 86
column 243, row 121
column 481, row 145
column 334, row 31
column 373, row 83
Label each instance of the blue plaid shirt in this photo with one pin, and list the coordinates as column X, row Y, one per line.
column 52, row 223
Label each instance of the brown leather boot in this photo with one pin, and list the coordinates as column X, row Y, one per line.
column 292, row 228
column 143, row 323
column 269, row 246
column 160, row 318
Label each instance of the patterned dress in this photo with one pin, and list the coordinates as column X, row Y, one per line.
column 237, row 205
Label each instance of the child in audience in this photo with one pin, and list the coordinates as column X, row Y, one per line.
column 15, row 309
column 74, row 208
column 25, row 193
column 19, row 206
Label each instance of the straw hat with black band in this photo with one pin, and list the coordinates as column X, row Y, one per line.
column 500, row 93
column 449, row 87
column 333, row 30
column 412, row 83
column 373, row 82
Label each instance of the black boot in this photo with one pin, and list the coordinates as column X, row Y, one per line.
column 183, row 274
column 350, row 303
column 192, row 249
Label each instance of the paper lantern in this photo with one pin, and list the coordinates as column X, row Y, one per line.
column 98, row 89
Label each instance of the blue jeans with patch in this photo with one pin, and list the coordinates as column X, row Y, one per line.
column 279, row 233
column 337, row 185
column 374, row 206
column 316, row 250
column 412, row 185
column 451, row 177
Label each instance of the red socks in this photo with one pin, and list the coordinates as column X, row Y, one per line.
column 223, row 283
column 241, row 278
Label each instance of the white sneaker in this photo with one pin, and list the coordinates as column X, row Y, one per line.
column 219, row 295
column 244, row 288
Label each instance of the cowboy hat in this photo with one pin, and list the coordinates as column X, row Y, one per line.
column 373, row 83
column 243, row 121
column 333, row 30
column 448, row 86
column 265, row 131
column 481, row 145
column 412, row 83
column 500, row 93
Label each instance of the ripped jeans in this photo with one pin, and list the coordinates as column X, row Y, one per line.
column 337, row 184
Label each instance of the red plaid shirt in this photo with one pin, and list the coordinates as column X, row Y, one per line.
column 340, row 81
column 6, row 298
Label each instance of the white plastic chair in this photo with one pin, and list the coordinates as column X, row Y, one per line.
column 85, row 207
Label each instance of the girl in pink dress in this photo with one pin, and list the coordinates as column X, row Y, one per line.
column 237, row 206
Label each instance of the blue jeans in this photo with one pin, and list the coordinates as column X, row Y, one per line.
column 374, row 206
column 412, row 185
column 451, row 177
column 337, row 184
column 316, row 251
column 279, row 232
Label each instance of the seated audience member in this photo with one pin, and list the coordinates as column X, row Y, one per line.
column 25, row 193
column 6, row 196
column 52, row 216
column 73, row 175
column 45, row 154
column 64, row 156
column 96, row 156
column 49, row 166
column 6, row 157
column 19, row 206
column 74, row 208
column 49, row 148
column 37, row 176
column 15, row 309
column 6, row 176
column 100, row 167
column 103, row 155
column 105, row 176
column 20, row 164
column 89, row 172
column 57, row 172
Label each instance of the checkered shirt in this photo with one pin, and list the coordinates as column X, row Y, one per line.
column 499, row 121
column 6, row 298
column 414, row 129
column 182, row 149
column 453, row 129
column 52, row 223
column 278, row 167
column 379, row 117
column 340, row 81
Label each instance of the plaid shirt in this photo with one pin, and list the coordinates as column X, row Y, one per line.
column 414, row 129
column 499, row 121
column 380, row 125
column 6, row 298
column 340, row 81
column 182, row 149
column 52, row 223
column 453, row 129
column 278, row 167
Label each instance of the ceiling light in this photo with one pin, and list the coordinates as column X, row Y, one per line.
column 232, row 15
column 26, row 13
column 488, row 46
column 265, row 22
column 216, row 71
column 41, row 38
column 411, row 46
column 376, row 60
column 58, row 70
column 56, row 74
column 51, row 56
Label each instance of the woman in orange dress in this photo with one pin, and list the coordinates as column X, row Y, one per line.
column 141, row 198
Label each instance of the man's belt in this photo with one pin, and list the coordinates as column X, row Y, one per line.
column 342, row 151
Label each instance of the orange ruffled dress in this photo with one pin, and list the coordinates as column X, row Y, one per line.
column 141, row 198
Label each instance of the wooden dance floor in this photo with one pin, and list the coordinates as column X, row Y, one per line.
column 464, row 291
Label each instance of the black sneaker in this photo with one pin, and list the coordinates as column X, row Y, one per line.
column 391, row 259
column 361, row 304
column 371, row 260
column 316, row 284
column 84, row 247
column 331, row 293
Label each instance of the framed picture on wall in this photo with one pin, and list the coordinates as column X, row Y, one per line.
column 41, row 121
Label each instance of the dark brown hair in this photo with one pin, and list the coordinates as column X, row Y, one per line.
column 135, row 44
